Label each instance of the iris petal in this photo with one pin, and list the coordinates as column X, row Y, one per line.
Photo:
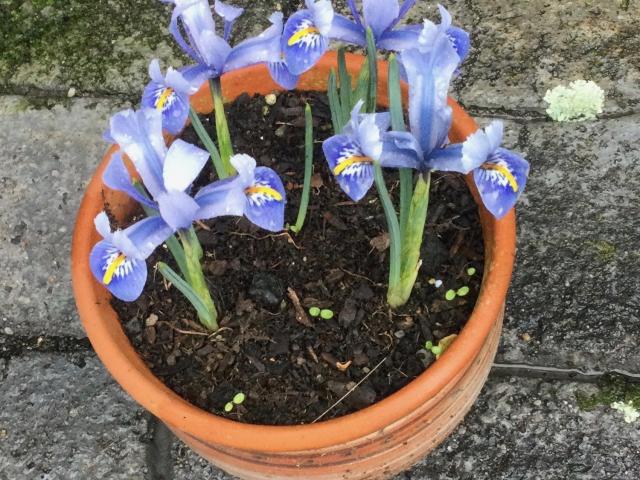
column 429, row 70
column 177, row 208
column 266, row 200
column 282, row 76
column 399, row 39
column 139, row 135
column 461, row 41
column 146, row 235
column 117, row 177
column 126, row 279
column 400, row 150
column 380, row 15
column 449, row 159
column 174, row 117
column 352, row 169
column 475, row 151
column 501, row 181
column 302, row 43
column 183, row 164
column 229, row 13
column 222, row 198
column 344, row 30
column 263, row 48
column 322, row 12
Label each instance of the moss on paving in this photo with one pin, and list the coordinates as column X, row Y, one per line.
column 605, row 251
column 612, row 388
column 80, row 43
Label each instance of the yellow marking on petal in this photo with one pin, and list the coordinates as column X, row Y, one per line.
column 504, row 171
column 342, row 166
column 108, row 275
column 163, row 98
column 268, row 191
column 300, row 34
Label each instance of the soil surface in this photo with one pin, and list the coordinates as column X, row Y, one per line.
column 292, row 367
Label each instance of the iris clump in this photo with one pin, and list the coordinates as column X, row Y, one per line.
column 428, row 57
column 159, row 171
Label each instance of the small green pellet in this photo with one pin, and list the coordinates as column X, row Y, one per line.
column 239, row 398
column 228, row 407
column 326, row 314
column 314, row 311
column 462, row 291
column 450, row 295
column 471, row 271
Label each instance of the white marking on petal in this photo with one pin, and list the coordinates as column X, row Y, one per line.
column 122, row 270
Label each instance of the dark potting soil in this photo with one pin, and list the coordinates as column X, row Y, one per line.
column 291, row 366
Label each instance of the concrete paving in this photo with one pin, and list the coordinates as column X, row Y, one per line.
column 573, row 302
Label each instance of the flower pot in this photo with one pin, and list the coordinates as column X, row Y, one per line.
column 373, row 443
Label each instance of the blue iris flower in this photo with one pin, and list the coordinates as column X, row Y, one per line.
column 499, row 174
column 170, row 94
column 306, row 36
column 193, row 27
column 383, row 18
column 118, row 261
column 351, row 153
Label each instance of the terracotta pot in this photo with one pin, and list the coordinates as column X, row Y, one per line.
column 373, row 443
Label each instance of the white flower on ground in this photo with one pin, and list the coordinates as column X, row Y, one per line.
column 630, row 413
column 580, row 101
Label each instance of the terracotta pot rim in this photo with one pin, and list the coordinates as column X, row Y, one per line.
column 122, row 361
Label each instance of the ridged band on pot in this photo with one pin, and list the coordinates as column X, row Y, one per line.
column 373, row 443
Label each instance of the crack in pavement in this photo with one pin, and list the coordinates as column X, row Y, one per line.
column 16, row 345
column 524, row 370
column 38, row 94
column 158, row 456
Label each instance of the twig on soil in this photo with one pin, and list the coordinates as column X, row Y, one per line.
column 356, row 275
column 193, row 332
column 273, row 235
column 203, row 225
column 184, row 332
column 351, row 390
column 301, row 315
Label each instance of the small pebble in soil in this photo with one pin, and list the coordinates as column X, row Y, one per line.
column 8, row 331
column 266, row 289
column 348, row 313
column 426, row 357
column 270, row 99
column 151, row 320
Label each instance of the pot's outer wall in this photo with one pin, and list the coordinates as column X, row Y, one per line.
column 373, row 443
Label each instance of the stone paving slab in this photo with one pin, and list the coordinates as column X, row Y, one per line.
column 67, row 420
column 64, row 418
column 522, row 429
column 101, row 47
column 577, row 277
column 522, row 48
column 47, row 159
